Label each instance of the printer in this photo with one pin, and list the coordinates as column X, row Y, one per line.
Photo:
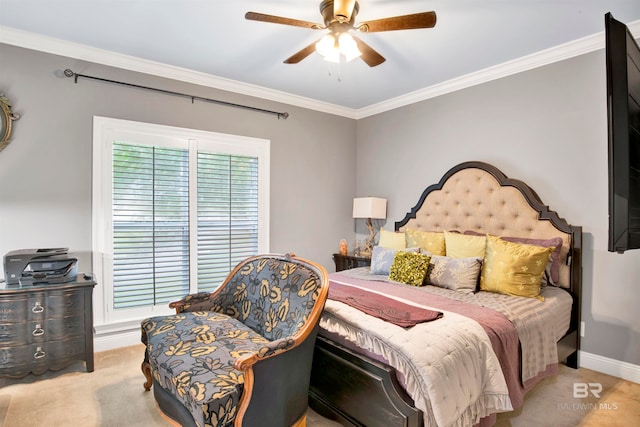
column 29, row 266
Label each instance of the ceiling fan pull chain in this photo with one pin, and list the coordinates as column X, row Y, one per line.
column 330, row 70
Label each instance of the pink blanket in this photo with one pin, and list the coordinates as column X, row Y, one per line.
column 385, row 308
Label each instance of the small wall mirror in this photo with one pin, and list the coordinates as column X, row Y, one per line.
column 6, row 121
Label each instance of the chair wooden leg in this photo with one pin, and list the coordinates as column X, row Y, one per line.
column 146, row 370
column 302, row 422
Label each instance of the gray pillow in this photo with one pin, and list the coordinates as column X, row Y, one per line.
column 382, row 258
column 458, row 274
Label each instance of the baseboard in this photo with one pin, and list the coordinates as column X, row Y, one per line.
column 111, row 341
column 616, row 368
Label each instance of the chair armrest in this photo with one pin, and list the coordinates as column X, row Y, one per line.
column 272, row 348
column 276, row 376
column 202, row 301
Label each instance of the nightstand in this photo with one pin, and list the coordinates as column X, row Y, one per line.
column 346, row 262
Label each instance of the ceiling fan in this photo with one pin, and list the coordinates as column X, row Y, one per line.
column 339, row 18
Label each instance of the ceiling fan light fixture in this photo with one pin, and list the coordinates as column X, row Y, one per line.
column 331, row 47
column 348, row 47
column 333, row 56
column 326, row 45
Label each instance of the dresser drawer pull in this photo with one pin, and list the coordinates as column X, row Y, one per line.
column 39, row 354
column 38, row 331
column 37, row 308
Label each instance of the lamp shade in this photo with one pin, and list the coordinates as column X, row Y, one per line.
column 370, row 207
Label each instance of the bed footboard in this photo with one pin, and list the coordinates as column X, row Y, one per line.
column 356, row 391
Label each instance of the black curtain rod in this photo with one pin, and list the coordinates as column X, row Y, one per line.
column 70, row 73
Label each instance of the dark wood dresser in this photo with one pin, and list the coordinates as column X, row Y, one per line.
column 45, row 326
column 347, row 262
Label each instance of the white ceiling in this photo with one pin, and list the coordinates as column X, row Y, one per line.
column 212, row 39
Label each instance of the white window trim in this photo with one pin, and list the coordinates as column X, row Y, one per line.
column 106, row 130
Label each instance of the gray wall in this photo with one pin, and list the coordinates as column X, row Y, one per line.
column 546, row 127
column 45, row 172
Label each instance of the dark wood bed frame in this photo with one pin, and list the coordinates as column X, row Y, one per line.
column 354, row 389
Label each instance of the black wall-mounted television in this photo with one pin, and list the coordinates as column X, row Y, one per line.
column 623, row 108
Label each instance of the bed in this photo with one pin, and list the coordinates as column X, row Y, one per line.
column 484, row 350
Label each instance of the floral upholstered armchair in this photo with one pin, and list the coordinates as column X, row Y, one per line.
column 241, row 355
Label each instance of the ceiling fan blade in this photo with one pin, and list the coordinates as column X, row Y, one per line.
column 254, row 16
column 404, row 22
column 301, row 54
column 370, row 56
column 343, row 9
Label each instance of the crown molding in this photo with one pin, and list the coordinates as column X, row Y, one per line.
column 52, row 45
column 557, row 53
column 33, row 41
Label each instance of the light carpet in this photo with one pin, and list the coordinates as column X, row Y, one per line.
column 113, row 395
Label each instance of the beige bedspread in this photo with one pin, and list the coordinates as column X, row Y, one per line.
column 540, row 324
column 459, row 380
column 455, row 383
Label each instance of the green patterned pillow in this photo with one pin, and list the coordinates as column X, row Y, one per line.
column 410, row 268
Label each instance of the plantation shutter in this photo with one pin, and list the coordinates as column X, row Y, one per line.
column 150, row 225
column 227, row 215
column 151, row 229
column 174, row 210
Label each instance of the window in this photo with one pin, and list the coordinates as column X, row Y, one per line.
column 174, row 211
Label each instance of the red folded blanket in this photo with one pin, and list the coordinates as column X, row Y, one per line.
column 381, row 306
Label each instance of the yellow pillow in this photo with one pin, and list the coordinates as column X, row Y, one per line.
column 513, row 268
column 464, row 246
column 391, row 239
column 428, row 240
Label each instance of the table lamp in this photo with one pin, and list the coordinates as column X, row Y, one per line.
column 369, row 208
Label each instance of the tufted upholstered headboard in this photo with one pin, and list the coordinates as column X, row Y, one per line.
column 477, row 196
